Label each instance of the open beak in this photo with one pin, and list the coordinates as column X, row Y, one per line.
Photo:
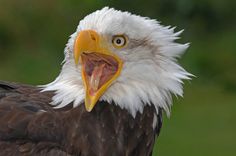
column 100, row 67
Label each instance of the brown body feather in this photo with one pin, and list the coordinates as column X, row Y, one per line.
column 30, row 126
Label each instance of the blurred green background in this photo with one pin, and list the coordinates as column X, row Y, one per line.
column 33, row 35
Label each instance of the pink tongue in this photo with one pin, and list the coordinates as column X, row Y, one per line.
column 95, row 79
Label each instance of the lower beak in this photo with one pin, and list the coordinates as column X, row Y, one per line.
column 100, row 67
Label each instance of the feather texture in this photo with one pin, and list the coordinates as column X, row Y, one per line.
column 30, row 126
column 150, row 73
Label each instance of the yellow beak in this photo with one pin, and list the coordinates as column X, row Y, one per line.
column 100, row 67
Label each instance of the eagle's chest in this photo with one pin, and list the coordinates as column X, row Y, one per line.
column 109, row 130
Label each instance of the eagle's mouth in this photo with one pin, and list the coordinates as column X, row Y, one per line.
column 98, row 69
column 100, row 66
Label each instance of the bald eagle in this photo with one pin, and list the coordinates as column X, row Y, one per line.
column 119, row 73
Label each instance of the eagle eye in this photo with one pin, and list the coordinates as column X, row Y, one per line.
column 119, row 41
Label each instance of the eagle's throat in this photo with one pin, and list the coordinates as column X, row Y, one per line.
column 98, row 69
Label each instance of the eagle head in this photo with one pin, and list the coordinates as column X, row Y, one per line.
column 121, row 58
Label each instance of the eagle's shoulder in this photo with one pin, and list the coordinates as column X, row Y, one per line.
column 26, row 118
column 19, row 94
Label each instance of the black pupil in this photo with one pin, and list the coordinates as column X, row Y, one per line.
column 118, row 41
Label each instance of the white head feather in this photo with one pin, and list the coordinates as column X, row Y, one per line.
column 150, row 73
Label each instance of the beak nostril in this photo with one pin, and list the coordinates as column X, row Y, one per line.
column 93, row 37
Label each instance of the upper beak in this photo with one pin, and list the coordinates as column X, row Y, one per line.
column 100, row 67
